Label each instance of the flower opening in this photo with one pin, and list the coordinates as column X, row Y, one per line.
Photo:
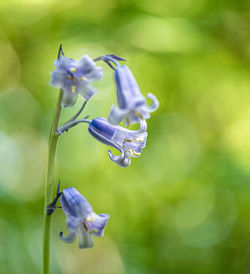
column 81, row 219
column 129, row 142
column 74, row 77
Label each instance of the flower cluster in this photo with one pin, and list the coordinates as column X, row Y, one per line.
column 73, row 78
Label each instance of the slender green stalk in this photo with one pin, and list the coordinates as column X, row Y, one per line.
column 53, row 139
column 69, row 125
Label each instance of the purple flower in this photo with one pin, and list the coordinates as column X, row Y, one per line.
column 132, row 104
column 81, row 219
column 129, row 142
column 74, row 77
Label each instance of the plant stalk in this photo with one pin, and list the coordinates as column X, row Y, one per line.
column 53, row 139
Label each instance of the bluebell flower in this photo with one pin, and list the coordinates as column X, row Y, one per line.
column 81, row 219
column 132, row 104
column 129, row 142
column 74, row 77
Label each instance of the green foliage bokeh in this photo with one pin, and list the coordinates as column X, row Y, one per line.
column 183, row 206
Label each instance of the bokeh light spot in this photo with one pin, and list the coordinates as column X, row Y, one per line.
column 163, row 35
column 11, row 162
column 23, row 158
column 174, row 149
column 217, row 224
column 194, row 209
column 10, row 68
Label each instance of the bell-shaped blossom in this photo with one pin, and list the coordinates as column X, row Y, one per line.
column 81, row 219
column 132, row 104
column 129, row 142
column 74, row 77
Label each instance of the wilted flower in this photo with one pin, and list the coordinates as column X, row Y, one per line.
column 129, row 142
column 81, row 219
column 74, row 77
column 132, row 104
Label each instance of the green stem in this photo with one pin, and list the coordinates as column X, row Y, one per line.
column 53, row 139
column 66, row 127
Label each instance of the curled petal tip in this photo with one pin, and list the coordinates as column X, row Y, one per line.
column 69, row 239
column 122, row 160
column 155, row 103
column 143, row 126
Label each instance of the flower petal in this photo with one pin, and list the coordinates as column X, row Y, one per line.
column 136, row 146
column 100, row 129
column 89, row 69
column 75, row 205
column 116, row 115
column 94, row 75
column 84, row 238
column 86, row 90
column 122, row 160
column 73, row 222
column 69, row 98
column 63, row 64
column 131, row 119
column 155, row 103
column 86, row 64
column 143, row 127
column 127, row 89
column 69, row 239
column 96, row 227
column 57, row 79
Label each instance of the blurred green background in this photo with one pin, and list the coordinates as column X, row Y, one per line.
column 183, row 206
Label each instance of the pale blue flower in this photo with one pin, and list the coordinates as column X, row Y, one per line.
column 132, row 104
column 81, row 219
column 74, row 77
column 129, row 142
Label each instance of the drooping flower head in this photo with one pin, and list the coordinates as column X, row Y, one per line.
column 81, row 219
column 132, row 104
column 129, row 142
column 74, row 77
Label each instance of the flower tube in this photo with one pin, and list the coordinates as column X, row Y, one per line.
column 132, row 104
column 129, row 142
column 81, row 219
